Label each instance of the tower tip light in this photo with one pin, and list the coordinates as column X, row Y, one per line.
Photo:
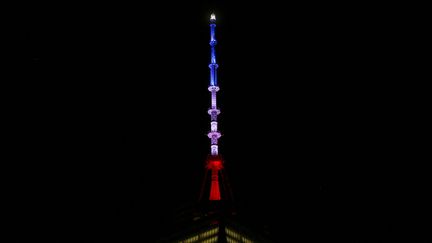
column 212, row 17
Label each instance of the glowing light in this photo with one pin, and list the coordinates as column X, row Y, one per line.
column 214, row 126
column 215, row 165
column 214, row 135
column 214, row 150
column 214, row 190
column 213, row 100
column 209, row 233
column 233, row 236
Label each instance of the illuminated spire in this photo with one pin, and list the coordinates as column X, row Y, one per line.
column 214, row 163
column 214, row 134
column 215, row 187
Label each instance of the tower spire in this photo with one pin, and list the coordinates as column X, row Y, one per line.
column 214, row 163
column 216, row 192
column 214, row 134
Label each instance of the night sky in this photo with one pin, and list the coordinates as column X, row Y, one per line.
column 111, row 119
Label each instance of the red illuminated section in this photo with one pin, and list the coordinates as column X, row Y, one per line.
column 214, row 190
column 214, row 165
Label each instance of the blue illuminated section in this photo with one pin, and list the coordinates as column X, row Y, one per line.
column 213, row 65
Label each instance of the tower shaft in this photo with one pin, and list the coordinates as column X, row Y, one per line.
column 214, row 163
column 214, row 134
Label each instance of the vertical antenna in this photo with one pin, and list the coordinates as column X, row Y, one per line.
column 214, row 163
column 214, row 134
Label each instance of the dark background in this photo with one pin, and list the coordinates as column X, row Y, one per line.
column 110, row 121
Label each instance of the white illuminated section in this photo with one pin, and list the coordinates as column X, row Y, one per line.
column 214, row 150
column 212, row 17
column 213, row 126
column 213, row 99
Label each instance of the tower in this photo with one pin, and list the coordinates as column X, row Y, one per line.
column 213, row 219
column 215, row 187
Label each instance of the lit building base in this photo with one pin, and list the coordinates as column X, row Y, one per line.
column 215, row 229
